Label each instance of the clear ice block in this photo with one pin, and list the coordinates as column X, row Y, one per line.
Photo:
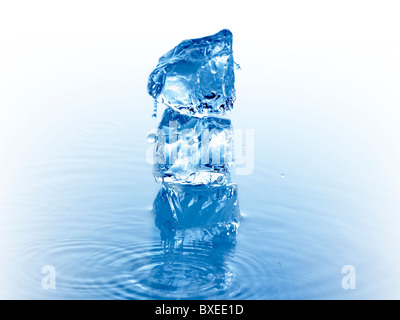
column 193, row 150
column 197, row 76
column 200, row 212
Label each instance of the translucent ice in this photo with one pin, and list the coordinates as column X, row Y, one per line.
column 199, row 211
column 193, row 150
column 197, row 76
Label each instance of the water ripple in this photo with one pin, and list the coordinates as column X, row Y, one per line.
column 140, row 270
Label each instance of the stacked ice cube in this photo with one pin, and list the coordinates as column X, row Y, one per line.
column 192, row 212
column 195, row 81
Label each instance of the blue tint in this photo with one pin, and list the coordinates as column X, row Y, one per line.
column 196, row 209
column 80, row 195
column 88, row 206
column 197, row 76
column 193, row 150
column 198, row 226
column 213, row 210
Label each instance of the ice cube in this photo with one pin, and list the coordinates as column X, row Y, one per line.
column 197, row 76
column 193, row 150
column 203, row 210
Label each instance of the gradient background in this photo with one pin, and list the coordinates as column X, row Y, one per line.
column 319, row 85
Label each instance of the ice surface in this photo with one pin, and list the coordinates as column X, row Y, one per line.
column 197, row 76
column 197, row 211
column 193, row 150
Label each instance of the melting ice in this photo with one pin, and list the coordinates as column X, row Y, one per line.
column 197, row 76
column 193, row 150
column 177, row 208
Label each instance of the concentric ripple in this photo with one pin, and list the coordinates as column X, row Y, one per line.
column 114, row 270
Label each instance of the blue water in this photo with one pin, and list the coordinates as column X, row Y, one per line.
column 77, row 193
column 86, row 209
